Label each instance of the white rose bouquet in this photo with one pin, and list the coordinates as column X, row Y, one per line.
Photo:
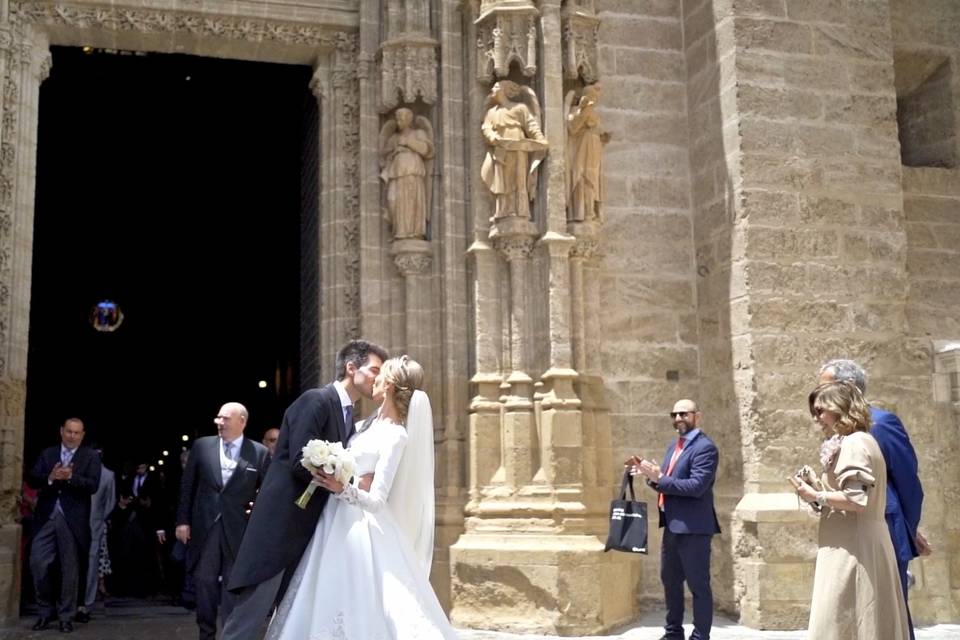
column 329, row 457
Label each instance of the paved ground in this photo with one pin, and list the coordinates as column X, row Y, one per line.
column 139, row 620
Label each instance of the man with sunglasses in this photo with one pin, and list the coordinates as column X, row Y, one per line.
column 684, row 484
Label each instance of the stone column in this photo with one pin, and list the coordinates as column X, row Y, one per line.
column 514, row 239
column 413, row 259
column 536, row 508
column 335, row 84
column 24, row 64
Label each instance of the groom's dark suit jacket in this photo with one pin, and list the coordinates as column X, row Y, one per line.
column 205, row 500
column 279, row 530
column 74, row 495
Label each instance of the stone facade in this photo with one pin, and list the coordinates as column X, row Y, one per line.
column 781, row 187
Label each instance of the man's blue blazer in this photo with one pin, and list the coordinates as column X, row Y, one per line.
column 904, row 492
column 688, row 491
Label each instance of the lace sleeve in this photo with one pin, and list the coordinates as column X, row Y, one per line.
column 391, row 451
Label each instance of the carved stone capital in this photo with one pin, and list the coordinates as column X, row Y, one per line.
column 408, row 69
column 413, row 257
column 318, row 81
column 6, row 37
column 585, row 248
column 581, row 28
column 587, row 238
column 515, row 248
column 46, row 64
column 514, row 238
column 506, row 31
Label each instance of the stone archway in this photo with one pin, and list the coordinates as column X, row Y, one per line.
column 325, row 38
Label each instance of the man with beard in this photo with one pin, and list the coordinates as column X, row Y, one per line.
column 684, row 484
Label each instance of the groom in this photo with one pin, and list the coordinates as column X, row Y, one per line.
column 279, row 531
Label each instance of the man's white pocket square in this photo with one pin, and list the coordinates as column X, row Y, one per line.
column 254, row 469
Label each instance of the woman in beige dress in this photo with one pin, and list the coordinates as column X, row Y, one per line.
column 856, row 588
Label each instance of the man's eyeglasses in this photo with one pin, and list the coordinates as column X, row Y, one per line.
column 677, row 414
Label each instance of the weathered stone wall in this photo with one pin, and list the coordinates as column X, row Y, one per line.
column 713, row 123
column 927, row 50
column 927, row 54
column 647, row 292
column 931, row 201
column 818, row 247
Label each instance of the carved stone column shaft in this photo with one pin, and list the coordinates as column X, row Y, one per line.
column 24, row 63
column 336, row 86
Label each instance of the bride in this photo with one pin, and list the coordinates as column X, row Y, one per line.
column 365, row 573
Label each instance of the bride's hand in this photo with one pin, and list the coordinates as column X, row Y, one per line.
column 328, row 482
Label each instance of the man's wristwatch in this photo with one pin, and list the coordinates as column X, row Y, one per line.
column 822, row 498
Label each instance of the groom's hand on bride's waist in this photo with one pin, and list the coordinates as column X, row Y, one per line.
column 365, row 481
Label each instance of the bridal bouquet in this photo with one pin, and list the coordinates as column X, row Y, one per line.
column 329, row 457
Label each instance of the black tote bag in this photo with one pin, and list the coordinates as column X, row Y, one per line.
column 628, row 521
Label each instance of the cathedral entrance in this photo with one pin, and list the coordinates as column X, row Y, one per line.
column 169, row 193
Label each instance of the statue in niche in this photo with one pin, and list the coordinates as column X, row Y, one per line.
column 515, row 148
column 406, row 160
column 585, row 140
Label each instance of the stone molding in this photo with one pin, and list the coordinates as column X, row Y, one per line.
column 347, row 138
column 146, row 21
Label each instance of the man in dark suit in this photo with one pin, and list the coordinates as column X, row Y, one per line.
column 279, row 530
column 221, row 479
column 684, row 483
column 66, row 476
column 904, row 491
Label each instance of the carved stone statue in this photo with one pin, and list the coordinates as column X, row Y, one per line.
column 515, row 148
column 585, row 140
column 406, row 158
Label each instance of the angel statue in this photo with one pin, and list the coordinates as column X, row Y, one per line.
column 406, row 158
column 515, row 148
column 584, row 155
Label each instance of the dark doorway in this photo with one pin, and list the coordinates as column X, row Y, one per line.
column 169, row 185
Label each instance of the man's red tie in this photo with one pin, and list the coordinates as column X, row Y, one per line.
column 673, row 463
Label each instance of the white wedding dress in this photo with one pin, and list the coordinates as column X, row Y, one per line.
column 360, row 578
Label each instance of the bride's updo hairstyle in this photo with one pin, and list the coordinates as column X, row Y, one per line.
column 406, row 376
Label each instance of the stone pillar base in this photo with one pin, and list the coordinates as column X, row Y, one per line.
column 9, row 574
column 777, row 542
column 551, row 584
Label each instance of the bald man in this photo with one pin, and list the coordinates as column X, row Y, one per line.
column 684, row 485
column 222, row 476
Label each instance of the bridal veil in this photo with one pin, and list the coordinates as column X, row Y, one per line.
column 411, row 498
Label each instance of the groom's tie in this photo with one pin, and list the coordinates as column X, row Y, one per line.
column 348, row 420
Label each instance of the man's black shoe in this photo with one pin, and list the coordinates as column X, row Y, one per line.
column 82, row 617
column 66, row 627
column 671, row 637
column 42, row 623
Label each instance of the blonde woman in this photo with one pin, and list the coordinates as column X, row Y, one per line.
column 365, row 573
column 856, row 588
